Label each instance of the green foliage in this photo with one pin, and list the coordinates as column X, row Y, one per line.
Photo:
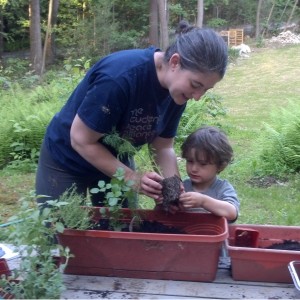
column 260, row 42
column 208, row 111
column 121, row 145
column 233, row 54
column 280, row 143
column 25, row 114
column 216, row 23
column 116, row 193
column 69, row 210
column 38, row 275
column 125, row 149
column 99, row 32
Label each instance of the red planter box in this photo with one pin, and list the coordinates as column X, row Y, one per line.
column 256, row 263
column 193, row 256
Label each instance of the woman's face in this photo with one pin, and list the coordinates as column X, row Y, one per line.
column 184, row 84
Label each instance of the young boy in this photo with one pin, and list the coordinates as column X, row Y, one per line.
column 207, row 152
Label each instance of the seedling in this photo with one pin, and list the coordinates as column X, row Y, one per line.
column 117, row 193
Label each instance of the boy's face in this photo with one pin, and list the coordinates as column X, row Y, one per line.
column 199, row 169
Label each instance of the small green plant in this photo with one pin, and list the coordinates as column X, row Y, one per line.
column 68, row 210
column 116, row 193
column 38, row 276
column 126, row 149
column 24, row 155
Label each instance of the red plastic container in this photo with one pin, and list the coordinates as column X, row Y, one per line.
column 258, row 263
column 4, row 269
column 193, row 256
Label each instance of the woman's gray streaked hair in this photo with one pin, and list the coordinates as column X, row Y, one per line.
column 200, row 49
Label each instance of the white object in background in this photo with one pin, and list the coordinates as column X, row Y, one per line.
column 8, row 252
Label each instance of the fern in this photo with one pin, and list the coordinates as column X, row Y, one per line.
column 198, row 113
column 280, row 143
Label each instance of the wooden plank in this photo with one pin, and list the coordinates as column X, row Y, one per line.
column 89, row 287
column 224, row 287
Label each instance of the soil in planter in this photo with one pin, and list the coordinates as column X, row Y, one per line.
column 171, row 190
column 286, row 245
column 145, row 226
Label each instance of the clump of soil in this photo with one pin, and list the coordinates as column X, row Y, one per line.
column 171, row 190
column 286, row 245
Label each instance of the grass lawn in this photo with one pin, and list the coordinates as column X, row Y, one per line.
column 252, row 89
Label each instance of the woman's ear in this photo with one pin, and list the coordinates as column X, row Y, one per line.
column 174, row 61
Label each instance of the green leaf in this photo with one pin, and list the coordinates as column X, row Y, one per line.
column 94, row 190
column 113, row 201
column 59, row 227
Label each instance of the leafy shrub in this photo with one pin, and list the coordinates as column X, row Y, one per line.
column 233, row 54
column 25, row 114
column 38, row 275
column 69, row 209
column 207, row 111
column 280, row 144
column 216, row 23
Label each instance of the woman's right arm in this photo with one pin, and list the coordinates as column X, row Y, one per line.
column 85, row 142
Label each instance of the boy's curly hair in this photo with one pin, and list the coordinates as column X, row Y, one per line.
column 210, row 142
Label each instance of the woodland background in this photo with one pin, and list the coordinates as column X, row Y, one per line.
column 57, row 29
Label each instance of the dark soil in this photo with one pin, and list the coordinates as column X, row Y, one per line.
column 145, row 226
column 286, row 245
column 171, row 189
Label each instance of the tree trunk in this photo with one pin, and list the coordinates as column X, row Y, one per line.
column 292, row 13
column 49, row 44
column 51, row 47
column 200, row 14
column 164, row 34
column 153, row 20
column 257, row 29
column 285, row 7
column 1, row 34
column 268, row 20
column 35, row 36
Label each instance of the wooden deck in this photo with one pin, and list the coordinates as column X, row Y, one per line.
column 95, row 287
column 224, row 287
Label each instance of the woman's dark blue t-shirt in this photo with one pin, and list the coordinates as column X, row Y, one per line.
column 121, row 93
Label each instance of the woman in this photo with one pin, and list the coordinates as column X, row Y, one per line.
column 140, row 94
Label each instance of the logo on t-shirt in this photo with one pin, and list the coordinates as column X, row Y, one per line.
column 142, row 128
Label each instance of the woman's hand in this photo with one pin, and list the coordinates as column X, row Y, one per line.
column 150, row 185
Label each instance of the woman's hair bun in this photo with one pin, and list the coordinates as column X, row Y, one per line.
column 183, row 27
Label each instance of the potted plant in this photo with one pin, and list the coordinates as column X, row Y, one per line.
column 39, row 274
column 191, row 254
